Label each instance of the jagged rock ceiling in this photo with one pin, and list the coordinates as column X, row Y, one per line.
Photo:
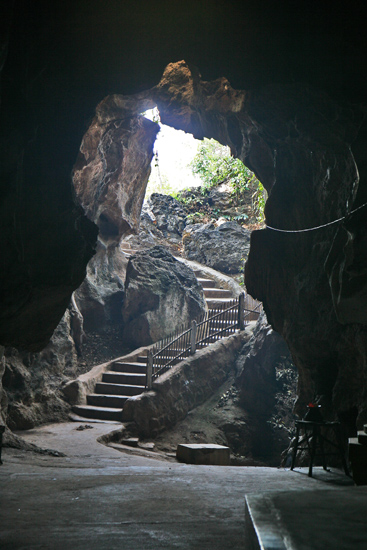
column 292, row 109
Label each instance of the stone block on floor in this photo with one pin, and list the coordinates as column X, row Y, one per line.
column 203, row 453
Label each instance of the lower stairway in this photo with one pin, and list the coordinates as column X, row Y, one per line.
column 127, row 378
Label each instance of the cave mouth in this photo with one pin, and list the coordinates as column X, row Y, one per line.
column 190, row 170
column 112, row 170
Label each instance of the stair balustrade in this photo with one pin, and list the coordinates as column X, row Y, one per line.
column 215, row 325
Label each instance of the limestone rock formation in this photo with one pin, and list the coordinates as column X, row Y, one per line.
column 169, row 213
column 299, row 276
column 224, row 248
column 161, row 295
column 32, row 381
column 3, row 397
column 100, row 296
column 110, row 178
column 113, row 167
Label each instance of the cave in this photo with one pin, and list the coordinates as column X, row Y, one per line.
column 281, row 84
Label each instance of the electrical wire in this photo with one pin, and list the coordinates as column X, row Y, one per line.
column 317, row 227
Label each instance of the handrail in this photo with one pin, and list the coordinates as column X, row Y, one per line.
column 201, row 333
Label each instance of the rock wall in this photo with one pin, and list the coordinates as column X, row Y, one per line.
column 308, row 279
column 266, row 382
column 33, row 381
column 224, row 248
column 113, row 167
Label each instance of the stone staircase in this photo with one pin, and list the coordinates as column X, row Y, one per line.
column 125, row 379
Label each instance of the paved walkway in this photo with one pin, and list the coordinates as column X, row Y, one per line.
column 99, row 498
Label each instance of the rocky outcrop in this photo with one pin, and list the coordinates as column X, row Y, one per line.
column 100, row 296
column 32, row 381
column 161, row 295
column 169, row 214
column 224, row 248
column 3, row 397
column 113, row 167
column 110, row 178
column 305, row 278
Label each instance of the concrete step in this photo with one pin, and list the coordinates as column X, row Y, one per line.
column 118, row 389
column 207, row 283
column 131, row 368
column 109, row 401
column 142, row 359
column 216, row 303
column 103, row 413
column 217, row 293
column 133, row 379
column 171, row 352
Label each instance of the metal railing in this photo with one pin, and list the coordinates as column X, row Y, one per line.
column 212, row 327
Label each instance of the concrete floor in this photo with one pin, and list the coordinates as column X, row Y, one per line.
column 99, row 498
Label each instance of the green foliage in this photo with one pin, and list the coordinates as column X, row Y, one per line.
column 214, row 165
column 258, row 201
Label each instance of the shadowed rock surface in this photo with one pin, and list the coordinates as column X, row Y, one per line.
column 266, row 382
column 313, row 139
column 32, row 381
column 161, row 295
column 100, row 296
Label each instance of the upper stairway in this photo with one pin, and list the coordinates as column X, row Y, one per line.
column 126, row 378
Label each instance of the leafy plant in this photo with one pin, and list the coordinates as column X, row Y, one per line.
column 214, row 165
column 258, row 201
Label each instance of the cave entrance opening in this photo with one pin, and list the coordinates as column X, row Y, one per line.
column 192, row 170
column 174, row 151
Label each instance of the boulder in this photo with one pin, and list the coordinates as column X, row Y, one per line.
column 224, row 248
column 169, row 213
column 161, row 294
column 100, row 296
